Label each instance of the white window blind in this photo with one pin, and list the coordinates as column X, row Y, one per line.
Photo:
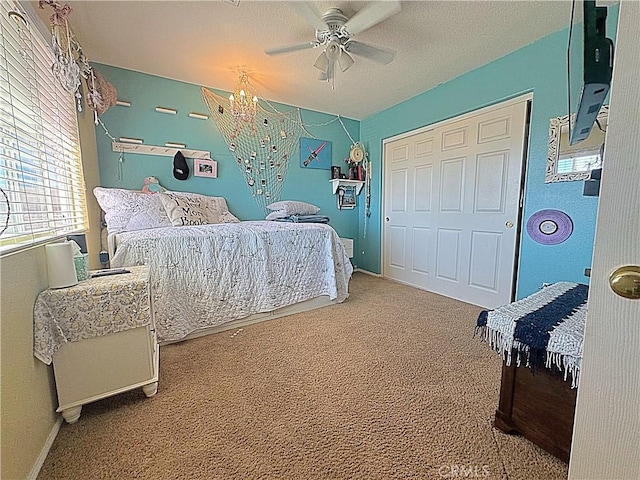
column 40, row 163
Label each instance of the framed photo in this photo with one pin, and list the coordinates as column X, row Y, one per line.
column 205, row 168
column 315, row 153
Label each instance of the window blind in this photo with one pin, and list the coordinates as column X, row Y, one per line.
column 40, row 163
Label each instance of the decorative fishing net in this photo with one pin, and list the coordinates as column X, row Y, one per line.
column 262, row 147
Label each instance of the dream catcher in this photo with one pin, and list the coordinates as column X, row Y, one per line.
column 361, row 170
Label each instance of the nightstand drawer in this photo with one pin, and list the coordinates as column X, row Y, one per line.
column 103, row 366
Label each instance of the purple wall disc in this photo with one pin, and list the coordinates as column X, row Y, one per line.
column 549, row 227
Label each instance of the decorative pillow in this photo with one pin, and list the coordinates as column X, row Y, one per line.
column 293, row 207
column 276, row 215
column 185, row 208
column 128, row 210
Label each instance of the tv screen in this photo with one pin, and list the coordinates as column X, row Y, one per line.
column 598, row 63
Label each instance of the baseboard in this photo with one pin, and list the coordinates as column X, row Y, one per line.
column 368, row 272
column 35, row 470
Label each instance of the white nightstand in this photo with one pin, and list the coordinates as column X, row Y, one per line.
column 100, row 336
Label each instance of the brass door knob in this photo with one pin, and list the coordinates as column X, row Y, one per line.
column 625, row 281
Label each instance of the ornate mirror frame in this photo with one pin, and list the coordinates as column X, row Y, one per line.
column 556, row 126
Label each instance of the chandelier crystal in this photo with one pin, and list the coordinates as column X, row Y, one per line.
column 243, row 110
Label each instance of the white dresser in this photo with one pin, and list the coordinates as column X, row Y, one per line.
column 100, row 337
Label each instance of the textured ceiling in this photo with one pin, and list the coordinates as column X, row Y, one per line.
column 209, row 43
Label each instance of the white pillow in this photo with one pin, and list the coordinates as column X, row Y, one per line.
column 128, row 210
column 293, row 207
column 276, row 215
column 185, row 208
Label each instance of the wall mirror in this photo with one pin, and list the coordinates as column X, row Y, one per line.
column 566, row 163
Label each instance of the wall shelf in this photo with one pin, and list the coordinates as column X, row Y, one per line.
column 336, row 182
column 157, row 150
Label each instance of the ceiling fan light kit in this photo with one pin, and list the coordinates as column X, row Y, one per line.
column 345, row 61
column 334, row 32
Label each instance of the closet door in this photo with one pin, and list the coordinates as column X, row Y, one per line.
column 409, row 165
column 452, row 203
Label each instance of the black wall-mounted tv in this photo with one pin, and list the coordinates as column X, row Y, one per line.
column 598, row 66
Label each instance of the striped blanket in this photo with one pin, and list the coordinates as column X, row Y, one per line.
column 545, row 328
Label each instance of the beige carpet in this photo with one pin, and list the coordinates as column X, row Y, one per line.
column 388, row 385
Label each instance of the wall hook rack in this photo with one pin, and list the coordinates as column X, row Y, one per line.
column 158, row 150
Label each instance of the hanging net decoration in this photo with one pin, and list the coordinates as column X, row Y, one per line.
column 262, row 145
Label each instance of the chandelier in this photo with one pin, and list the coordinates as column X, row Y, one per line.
column 243, row 109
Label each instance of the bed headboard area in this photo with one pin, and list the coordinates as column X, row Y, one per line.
column 130, row 210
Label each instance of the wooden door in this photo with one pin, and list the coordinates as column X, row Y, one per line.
column 606, row 437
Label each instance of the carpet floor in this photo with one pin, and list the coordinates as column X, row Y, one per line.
column 390, row 384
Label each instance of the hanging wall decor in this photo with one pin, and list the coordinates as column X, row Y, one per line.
column 205, row 168
column 315, row 153
column 549, row 227
column 261, row 146
column 71, row 65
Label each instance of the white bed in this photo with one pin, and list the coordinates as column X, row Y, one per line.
column 209, row 278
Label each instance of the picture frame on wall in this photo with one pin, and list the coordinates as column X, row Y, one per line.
column 315, row 153
column 205, row 168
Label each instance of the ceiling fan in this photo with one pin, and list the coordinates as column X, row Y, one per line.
column 335, row 32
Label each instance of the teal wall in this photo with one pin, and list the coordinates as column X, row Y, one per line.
column 539, row 68
column 145, row 92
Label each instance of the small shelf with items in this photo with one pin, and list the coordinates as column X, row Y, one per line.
column 336, row 182
column 346, row 191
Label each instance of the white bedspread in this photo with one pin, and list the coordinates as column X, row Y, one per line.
column 203, row 276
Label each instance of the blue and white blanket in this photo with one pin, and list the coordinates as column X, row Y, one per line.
column 546, row 328
column 304, row 219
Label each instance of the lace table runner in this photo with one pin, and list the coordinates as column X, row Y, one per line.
column 94, row 307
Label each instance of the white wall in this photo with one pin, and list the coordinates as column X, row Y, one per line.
column 28, row 399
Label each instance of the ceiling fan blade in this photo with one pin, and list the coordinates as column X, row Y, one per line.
column 371, row 15
column 290, row 48
column 306, row 11
column 345, row 61
column 377, row 54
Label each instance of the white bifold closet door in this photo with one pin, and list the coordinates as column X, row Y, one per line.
column 451, row 204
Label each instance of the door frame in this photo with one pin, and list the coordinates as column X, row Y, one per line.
column 526, row 97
